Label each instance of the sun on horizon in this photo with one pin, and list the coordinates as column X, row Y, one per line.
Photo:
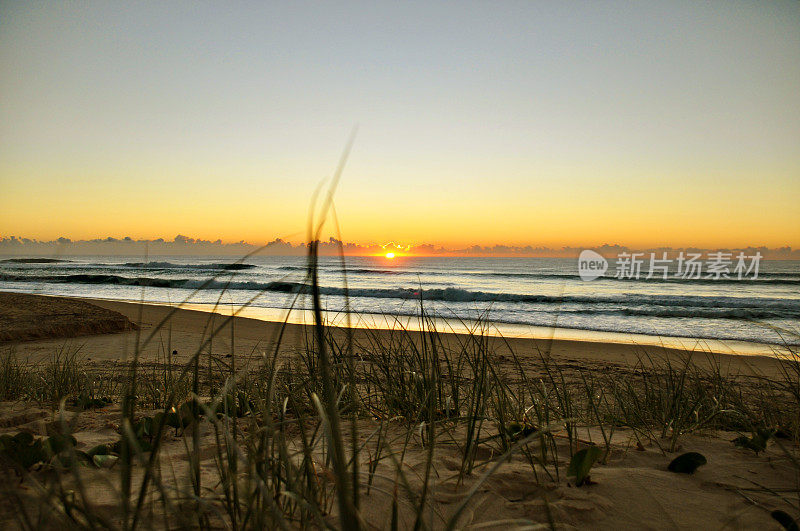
column 389, row 255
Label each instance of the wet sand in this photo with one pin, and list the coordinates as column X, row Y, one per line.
column 164, row 328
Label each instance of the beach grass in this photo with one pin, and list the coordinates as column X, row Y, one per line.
column 300, row 439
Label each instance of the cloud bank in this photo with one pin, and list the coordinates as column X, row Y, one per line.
column 184, row 245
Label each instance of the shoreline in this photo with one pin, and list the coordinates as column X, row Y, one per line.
column 187, row 329
column 525, row 331
column 497, row 329
column 518, row 299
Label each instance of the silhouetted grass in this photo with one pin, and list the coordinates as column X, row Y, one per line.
column 282, row 456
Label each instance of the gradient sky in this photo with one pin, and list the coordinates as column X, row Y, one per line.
column 544, row 123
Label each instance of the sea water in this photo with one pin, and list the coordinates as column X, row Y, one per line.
column 514, row 294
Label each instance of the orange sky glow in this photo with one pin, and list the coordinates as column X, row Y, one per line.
column 535, row 124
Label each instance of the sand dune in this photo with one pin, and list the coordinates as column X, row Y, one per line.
column 632, row 488
column 26, row 317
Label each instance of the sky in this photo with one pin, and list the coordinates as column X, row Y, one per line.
column 479, row 123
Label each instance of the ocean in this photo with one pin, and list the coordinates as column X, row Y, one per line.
column 519, row 296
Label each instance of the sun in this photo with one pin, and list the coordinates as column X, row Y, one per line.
column 389, row 255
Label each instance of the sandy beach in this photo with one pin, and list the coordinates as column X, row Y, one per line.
column 631, row 488
column 185, row 330
column 27, row 317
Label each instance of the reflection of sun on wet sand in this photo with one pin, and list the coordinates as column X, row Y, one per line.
column 480, row 432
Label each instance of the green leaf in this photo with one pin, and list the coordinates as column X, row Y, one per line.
column 29, row 455
column 785, row 520
column 100, row 449
column 55, row 444
column 581, row 463
column 23, row 438
column 687, row 463
column 104, row 461
column 24, row 450
column 516, row 430
column 758, row 442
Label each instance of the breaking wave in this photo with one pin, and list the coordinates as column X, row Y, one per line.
column 170, row 265
column 629, row 304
